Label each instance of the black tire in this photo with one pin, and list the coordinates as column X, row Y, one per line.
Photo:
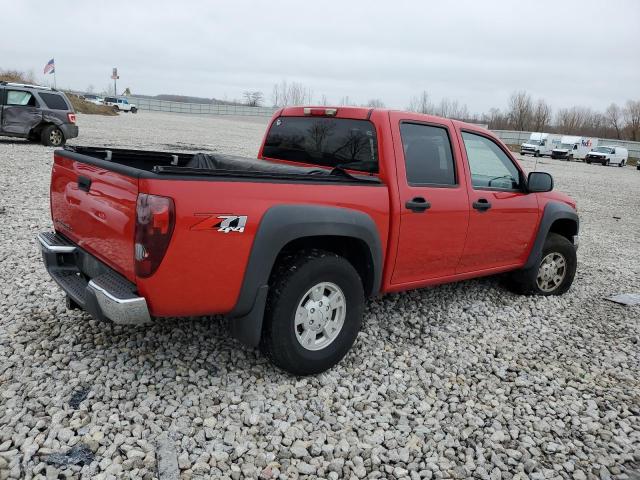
column 525, row 282
column 621, row 164
column 293, row 277
column 52, row 136
column 115, row 109
column 536, row 154
column 570, row 158
column 588, row 162
column 134, row 110
column 606, row 163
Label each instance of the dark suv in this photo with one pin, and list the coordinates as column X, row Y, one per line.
column 40, row 114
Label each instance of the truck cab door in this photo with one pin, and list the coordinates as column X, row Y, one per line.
column 504, row 217
column 434, row 203
column 20, row 112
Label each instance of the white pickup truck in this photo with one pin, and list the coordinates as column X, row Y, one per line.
column 120, row 104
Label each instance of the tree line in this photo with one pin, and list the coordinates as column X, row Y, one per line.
column 522, row 112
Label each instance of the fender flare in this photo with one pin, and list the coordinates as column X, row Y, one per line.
column 553, row 211
column 279, row 226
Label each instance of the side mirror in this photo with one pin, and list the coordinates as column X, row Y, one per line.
column 539, row 182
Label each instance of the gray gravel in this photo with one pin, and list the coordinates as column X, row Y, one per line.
column 463, row 380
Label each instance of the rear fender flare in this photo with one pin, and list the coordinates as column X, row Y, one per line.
column 553, row 211
column 279, row 226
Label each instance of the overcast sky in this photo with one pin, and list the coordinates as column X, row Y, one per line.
column 582, row 52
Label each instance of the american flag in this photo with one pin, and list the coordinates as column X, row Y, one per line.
column 50, row 67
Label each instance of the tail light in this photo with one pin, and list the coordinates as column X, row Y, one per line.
column 71, row 117
column 155, row 219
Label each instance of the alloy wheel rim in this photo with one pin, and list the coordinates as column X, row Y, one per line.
column 55, row 137
column 552, row 271
column 320, row 316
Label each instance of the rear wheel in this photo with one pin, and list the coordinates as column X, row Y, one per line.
column 115, row 109
column 553, row 274
column 314, row 312
column 52, row 136
column 134, row 110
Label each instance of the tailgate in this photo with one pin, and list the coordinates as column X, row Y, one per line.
column 95, row 208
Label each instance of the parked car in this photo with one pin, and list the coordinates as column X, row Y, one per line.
column 120, row 104
column 341, row 204
column 608, row 154
column 538, row 145
column 37, row 113
column 574, row 148
column 95, row 99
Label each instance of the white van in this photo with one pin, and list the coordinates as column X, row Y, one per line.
column 574, row 148
column 608, row 154
column 539, row 144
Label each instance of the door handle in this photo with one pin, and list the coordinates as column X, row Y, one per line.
column 482, row 204
column 418, row 204
column 84, row 183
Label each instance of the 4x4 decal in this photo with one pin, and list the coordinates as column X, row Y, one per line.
column 221, row 223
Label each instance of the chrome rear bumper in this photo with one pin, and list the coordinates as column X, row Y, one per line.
column 91, row 285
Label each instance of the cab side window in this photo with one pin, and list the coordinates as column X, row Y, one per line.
column 427, row 155
column 490, row 167
column 20, row 98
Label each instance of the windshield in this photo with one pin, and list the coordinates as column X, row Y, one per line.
column 603, row 150
column 534, row 142
column 330, row 142
column 566, row 146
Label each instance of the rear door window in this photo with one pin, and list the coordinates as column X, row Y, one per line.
column 21, row 98
column 330, row 142
column 54, row 101
column 427, row 155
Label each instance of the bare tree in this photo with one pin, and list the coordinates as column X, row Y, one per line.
column 293, row 93
column 252, row 98
column 613, row 116
column 632, row 118
column 541, row 116
column 520, row 110
column 323, row 100
column 345, row 101
column 421, row 103
column 375, row 103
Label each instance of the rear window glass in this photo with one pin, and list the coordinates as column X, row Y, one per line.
column 330, row 142
column 54, row 101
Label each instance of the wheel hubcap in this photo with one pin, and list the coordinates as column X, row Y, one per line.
column 55, row 137
column 552, row 271
column 320, row 316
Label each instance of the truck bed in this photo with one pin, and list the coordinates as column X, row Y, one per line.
column 154, row 164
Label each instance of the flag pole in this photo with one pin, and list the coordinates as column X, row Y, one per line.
column 55, row 84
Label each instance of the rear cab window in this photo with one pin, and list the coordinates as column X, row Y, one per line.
column 54, row 101
column 327, row 142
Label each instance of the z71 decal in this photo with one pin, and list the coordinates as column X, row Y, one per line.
column 221, row 223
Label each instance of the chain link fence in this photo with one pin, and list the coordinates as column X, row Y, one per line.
column 155, row 105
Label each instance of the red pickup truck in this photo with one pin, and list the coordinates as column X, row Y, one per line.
column 341, row 204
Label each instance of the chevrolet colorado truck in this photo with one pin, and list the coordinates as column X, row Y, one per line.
column 339, row 205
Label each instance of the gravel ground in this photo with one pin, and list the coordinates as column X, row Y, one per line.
column 462, row 380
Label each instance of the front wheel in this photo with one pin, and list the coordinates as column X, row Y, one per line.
column 314, row 312
column 621, row 164
column 554, row 273
column 52, row 136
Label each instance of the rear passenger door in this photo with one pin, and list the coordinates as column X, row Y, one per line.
column 21, row 112
column 434, row 204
